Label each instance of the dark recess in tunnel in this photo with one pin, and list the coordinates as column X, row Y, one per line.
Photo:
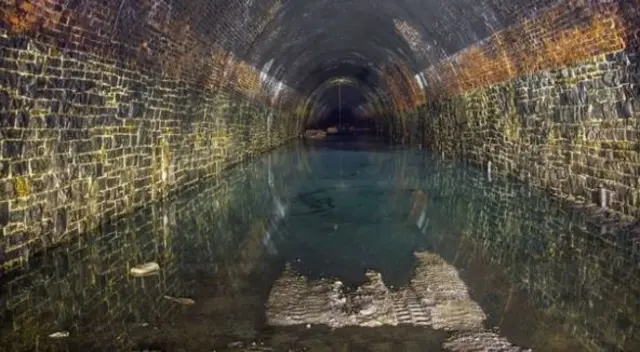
column 340, row 88
column 341, row 102
column 307, row 44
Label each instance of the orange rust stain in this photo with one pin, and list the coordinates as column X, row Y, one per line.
column 532, row 46
column 247, row 78
column 29, row 15
column 188, row 59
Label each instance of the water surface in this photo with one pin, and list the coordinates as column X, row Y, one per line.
column 547, row 277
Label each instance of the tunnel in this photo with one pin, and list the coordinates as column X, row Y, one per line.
column 280, row 175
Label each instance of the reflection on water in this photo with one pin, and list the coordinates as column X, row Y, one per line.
column 544, row 276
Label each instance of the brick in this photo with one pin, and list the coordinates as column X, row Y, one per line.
column 66, row 124
column 568, row 132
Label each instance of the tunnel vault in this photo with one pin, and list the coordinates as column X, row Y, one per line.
column 108, row 105
column 298, row 44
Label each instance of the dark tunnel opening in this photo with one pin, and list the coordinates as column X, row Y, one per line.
column 342, row 101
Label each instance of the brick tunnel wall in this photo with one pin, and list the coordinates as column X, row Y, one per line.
column 201, row 221
column 553, row 101
column 106, row 106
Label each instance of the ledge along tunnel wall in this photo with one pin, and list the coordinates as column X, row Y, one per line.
column 106, row 106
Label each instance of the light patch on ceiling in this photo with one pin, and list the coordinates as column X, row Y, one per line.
column 420, row 79
column 269, row 83
column 264, row 73
column 160, row 15
column 410, row 34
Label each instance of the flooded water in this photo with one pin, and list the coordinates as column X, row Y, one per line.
column 456, row 258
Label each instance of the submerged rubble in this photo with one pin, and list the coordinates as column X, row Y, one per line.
column 480, row 341
column 436, row 297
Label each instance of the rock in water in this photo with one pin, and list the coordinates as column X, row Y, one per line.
column 59, row 335
column 437, row 282
column 181, row 300
column 145, row 269
column 436, row 297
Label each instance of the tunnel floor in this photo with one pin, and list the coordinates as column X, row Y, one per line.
column 337, row 245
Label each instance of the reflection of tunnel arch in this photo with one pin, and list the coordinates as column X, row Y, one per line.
column 339, row 99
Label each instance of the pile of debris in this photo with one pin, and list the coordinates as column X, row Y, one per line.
column 436, row 297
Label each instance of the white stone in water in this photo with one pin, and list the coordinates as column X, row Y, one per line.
column 428, row 302
column 369, row 310
column 145, row 269
column 59, row 335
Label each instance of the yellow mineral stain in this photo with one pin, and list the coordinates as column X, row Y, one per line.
column 22, row 186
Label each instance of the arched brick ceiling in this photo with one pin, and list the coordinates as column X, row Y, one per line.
column 306, row 37
column 304, row 43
